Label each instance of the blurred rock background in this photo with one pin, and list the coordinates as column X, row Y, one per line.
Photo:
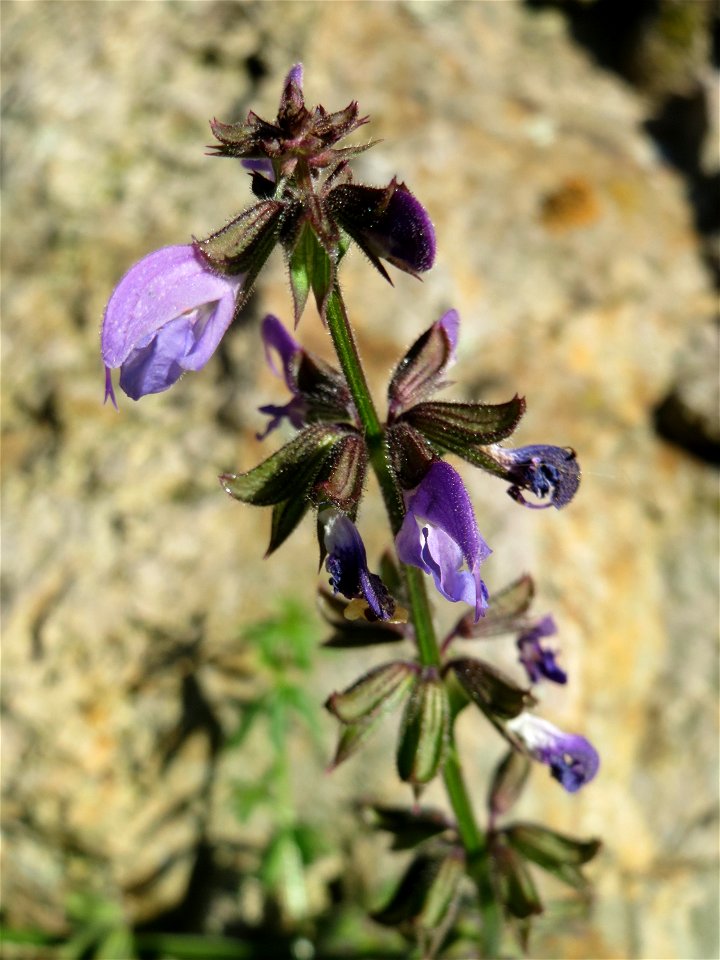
column 568, row 154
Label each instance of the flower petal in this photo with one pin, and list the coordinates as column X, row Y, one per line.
column 538, row 661
column 347, row 564
column 276, row 338
column 167, row 315
column 439, row 534
column 546, row 471
column 386, row 222
column 159, row 288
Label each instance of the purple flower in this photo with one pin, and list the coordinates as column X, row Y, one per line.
column 347, row 565
column 277, row 340
column 387, row 223
column 440, row 536
column 545, row 471
column 538, row 660
column 167, row 315
column 573, row 761
column 319, row 391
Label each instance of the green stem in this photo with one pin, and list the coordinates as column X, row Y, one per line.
column 428, row 648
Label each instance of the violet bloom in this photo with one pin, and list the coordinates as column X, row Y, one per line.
column 387, row 223
column 545, row 471
column 538, row 661
column 573, row 761
column 440, row 536
column 279, row 342
column 347, row 565
column 167, row 315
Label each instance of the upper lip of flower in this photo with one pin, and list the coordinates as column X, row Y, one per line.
column 448, row 537
column 167, row 315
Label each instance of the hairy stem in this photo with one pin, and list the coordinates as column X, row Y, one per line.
column 428, row 648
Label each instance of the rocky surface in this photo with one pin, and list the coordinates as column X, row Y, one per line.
column 569, row 248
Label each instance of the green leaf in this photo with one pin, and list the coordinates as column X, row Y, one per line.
column 282, row 870
column 247, row 797
column 119, row 942
column 285, row 641
column 305, row 706
column 310, row 269
column 300, row 268
column 312, row 842
column 250, row 714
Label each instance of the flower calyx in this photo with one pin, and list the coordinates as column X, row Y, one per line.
column 474, row 431
column 497, row 695
column 426, row 899
column 295, row 134
column 319, row 391
column 293, row 478
column 425, row 729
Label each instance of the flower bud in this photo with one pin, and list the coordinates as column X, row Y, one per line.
column 490, row 689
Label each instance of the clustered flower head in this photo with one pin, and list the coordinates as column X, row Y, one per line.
column 170, row 311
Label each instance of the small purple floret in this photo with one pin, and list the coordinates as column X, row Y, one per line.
column 538, row 661
column 405, row 235
column 278, row 341
column 439, row 535
column 552, row 472
column 572, row 759
column 450, row 322
column 167, row 315
column 262, row 165
column 347, row 564
column 388, row 223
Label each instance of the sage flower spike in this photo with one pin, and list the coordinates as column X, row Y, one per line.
column 440, row 536
column 167, row 315
column 572, row 759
